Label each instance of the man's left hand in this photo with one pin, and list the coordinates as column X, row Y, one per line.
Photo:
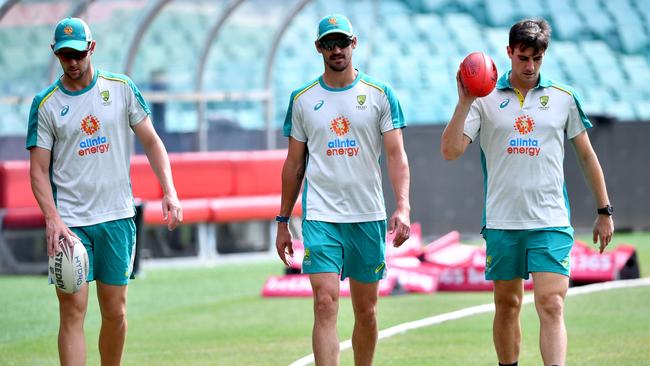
column 400, row 224
column 603, row 231
column 172, row 211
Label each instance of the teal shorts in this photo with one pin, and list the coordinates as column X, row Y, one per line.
column 111, row 250
column 514, row 254
column 355, row 250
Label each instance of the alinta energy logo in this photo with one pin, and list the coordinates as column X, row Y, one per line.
column 524, row 124
column 90, row 125
column 339, row 146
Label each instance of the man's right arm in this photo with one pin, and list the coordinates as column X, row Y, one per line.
column 454, row 142
column 39, row 166
column 293, row 173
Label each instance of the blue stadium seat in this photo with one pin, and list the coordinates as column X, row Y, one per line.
column 597, row 20
column 643, row 110
column 428, row 23
column 633, row 37
column 622, row 11
column 14, row 119
column 500, row 13
column 641, row 6
column 605, row 63
column 432, row 6
column 637, row 70
column 567, row 25
column 390, row 8
column 466, row 33
column 530, row 8
column 622, row 109
column 598, row 94
column 469, row 4
column 418, row 50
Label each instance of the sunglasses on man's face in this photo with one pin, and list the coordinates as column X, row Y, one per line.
column 329, row 44
column 72, row 55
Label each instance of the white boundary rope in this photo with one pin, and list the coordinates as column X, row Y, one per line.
column 480, row 309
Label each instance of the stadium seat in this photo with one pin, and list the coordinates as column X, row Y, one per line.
column 431, row 6
column 497, row 40
column 641, row 6
column 500, row 13
column 622, row 109
column 469, row 4
column 596, row 98
column 528, row 8
column 643, row 110
column 428, row 23
column 567, row 25
column 596, row 18
column 633, row 37
column 637, row 70
column 622, row 11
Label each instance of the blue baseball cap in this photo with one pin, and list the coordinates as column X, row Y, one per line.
column 334, row 23
column 72, row 33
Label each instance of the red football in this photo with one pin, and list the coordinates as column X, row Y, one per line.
column 478, row 73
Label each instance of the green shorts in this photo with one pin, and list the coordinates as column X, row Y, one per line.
column 111, row 250
column 514, row 254
column 355, row 250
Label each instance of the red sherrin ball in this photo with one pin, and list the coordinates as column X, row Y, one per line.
column 479, row 74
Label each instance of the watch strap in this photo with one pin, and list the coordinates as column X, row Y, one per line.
column 284, row 219
column 607, row 210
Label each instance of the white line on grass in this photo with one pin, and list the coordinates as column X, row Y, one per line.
column 480, row 309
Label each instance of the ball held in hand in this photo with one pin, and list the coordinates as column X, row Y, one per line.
column 478, row 73
column 68, row 268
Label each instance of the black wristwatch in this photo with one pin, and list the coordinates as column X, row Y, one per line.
column 607, row 210
column 283, row 219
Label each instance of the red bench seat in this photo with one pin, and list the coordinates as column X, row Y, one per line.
column 222, row 186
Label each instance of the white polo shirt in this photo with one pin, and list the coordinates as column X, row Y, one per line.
column 522, row 152
column 343, row 131
column 88, row 134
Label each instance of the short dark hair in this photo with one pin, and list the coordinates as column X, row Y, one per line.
column 531, row 32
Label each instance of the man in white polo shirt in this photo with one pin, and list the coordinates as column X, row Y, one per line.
column 522, row 125
column 336, row 125
column 80, row 149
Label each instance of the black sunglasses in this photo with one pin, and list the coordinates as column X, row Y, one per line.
column 72, row 55
column 341, row 43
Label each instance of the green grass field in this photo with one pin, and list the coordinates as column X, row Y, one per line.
column 220, row 319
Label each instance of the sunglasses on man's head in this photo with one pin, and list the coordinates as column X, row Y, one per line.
column 72, row 55
column 341, row 43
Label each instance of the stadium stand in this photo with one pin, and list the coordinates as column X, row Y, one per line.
column 426, row 37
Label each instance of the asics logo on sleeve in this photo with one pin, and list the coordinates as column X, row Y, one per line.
column 65, row 110
column 319, row 104
column 504, row 103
